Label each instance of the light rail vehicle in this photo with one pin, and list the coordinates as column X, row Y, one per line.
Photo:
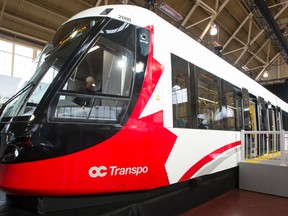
column 122, row 101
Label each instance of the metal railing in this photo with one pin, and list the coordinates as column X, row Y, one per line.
column 269, row 147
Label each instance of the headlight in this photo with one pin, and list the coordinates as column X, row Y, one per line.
column 15, row 149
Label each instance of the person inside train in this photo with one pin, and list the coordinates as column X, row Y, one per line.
column 89, row 87
column 202, row 120
column 223, row 112
column 201, row 125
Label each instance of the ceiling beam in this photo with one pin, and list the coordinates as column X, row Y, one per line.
column 232, row 51
column 263, row 15
column 15, row 34
column 2, row 10
column 213, row 17
column 247, row 45
column 99, row 2
column 257, row 57
column 254, row 54
column 190, row 13
column 43, row 7
column 266, row 66
column 194, row 24
column 237, row 30
column 257, row 52
column 208, row 8
column 257, row 36
column 29, row 22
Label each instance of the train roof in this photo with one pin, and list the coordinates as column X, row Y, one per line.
column 184, row 46
column 139, row 16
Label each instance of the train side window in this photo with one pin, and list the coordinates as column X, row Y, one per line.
column 279, row 122
column 180, row 93
column 209, row 113
column 262, row 114
column 246, row 109
column 229, row 104
column 253, row 111
column 272, row 117
column 265, row 114
column 239, row 108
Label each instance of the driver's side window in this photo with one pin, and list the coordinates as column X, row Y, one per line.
column 89, row 92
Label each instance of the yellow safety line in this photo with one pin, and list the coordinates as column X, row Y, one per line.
column 265, row 157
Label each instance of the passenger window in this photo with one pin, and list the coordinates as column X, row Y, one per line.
column 246, row 110
column 238, row 108
column 209, row 114
column 202, row 100
column 228, row 92
column 180, row 93
column 263, row 114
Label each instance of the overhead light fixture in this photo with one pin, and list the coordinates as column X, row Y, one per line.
column 265, row 75
column 169, row 11
column 213, row 30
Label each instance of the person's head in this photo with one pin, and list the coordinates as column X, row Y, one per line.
column 90, row 83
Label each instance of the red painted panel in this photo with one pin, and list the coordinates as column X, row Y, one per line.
column 133, row 159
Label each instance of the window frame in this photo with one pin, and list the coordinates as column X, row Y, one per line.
column 193, row 74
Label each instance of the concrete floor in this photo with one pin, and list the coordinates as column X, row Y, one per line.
column 242, row 203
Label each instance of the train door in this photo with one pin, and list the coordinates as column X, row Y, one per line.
column 273, row 138
column 247, row 123
column 253, row 117
column 239, row 109
column 279, row 126
column 267, row 120
column 284, row 121
column 272, row 118
column 263, row 115
column 251, row 123
column 246, row 110
column 249, row 111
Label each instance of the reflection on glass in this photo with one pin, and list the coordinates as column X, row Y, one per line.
column 100, row 86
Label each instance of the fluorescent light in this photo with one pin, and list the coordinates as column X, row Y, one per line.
column 169, row 11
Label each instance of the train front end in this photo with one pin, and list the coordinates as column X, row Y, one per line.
column 59, row 137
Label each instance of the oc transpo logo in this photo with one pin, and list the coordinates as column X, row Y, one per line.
column 102, row 171
column 97, row 171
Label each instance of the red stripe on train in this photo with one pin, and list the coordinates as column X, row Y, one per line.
column 197, row 166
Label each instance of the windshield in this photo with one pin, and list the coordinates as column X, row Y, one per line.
column 99, row 88
column 67, row 39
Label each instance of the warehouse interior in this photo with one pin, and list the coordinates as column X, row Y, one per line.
column 251, row 35
column 252, row 42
